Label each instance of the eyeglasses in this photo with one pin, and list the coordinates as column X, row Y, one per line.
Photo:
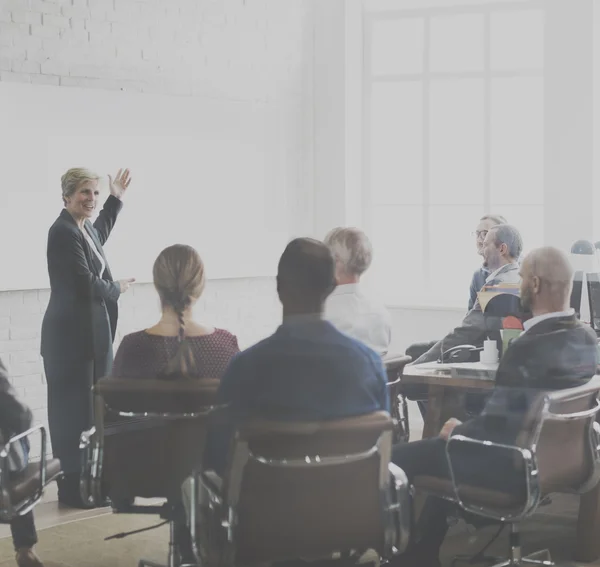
column 479, row 233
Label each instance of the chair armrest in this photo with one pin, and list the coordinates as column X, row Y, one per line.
column 594, row 478
column 4, row 469
column 530, row 471
column 399, row 522
column 23, row 435
column 213, row 484
column 86, row 437
column 90, row 484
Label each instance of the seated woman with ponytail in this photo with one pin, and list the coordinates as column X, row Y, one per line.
column 177, row 346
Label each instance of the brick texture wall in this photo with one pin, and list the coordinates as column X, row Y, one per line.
column 241, row 49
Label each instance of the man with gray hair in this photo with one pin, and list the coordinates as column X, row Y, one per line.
column 501, row 249
column 347, row 308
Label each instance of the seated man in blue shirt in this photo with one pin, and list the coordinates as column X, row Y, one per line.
column 307, row 370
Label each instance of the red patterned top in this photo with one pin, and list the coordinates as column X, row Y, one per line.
column 142, row 355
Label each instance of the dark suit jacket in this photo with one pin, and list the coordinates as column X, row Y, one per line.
column 81, row 318
column 554, row 354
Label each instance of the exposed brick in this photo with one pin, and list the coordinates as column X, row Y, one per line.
column 23, row 17
column 98, row 27
column 32, row 355
column 54, row 21
column 45, row 6
column 52, row 67
column 30, row 42
column 45, row 32
column 14, row 346
column 75, row 12
column 45, row 80
column 26, row 371
column 11, row 77
column 13, row 53
column 22, row 333
column 12, row 30
column 26, row 320
column 32, row 67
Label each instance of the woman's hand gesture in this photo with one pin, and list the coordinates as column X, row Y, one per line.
column 119, row 184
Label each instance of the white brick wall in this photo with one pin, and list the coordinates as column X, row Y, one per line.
column 242, row 49
column 248, row 49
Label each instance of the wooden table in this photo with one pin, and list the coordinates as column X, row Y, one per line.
column 448, row 384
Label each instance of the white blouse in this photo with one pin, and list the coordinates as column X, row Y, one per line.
column 95, row 250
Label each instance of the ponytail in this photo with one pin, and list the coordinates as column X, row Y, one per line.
column 179, row 279
column 183, row 362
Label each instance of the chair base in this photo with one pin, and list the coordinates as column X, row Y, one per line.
column 538, row 558
column 173, row 559
column 148, row 563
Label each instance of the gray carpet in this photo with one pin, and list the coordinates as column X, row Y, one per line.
column 81, row 543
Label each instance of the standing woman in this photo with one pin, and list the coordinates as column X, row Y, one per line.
column 80, row 322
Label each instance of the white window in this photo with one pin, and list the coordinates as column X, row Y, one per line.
column 453, row 126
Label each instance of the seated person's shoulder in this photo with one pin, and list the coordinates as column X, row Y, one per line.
column 225, row 337
column 357, row 350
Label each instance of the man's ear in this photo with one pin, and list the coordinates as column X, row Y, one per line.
column 536, row 284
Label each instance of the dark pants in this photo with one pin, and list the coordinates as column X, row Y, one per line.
column 23, row 531
column 416, row 391
column 428, row 457
column 70, row 411
column 70, row 404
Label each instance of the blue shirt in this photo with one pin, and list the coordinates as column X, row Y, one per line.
column 307, row 370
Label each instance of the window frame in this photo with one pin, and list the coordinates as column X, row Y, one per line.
column 426, row 77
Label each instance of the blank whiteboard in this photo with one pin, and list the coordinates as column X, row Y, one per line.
column 208, row 173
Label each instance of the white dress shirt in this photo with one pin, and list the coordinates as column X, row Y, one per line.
column 360, row 318
column 535, row 320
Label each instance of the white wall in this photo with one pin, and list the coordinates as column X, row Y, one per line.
column 234, row 49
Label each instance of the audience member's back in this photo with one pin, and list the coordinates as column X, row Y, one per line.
column 307, row 370
column 176, row 345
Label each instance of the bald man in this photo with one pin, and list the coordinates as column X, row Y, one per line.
column 554, row 352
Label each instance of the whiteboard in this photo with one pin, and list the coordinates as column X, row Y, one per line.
column 208, row 173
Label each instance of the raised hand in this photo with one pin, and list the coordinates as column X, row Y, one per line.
column 119, row 184
column 125, row 284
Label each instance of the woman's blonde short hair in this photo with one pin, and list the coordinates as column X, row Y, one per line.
column 351, row 248
column 71, row 180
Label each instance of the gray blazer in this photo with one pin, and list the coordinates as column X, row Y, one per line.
column 474, row 327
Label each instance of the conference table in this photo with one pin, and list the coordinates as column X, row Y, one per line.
column 447, row 386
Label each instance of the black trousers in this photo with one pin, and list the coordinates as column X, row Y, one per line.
column 428, row 457
column 70, row 404
column 416, row 391
column 23, row 531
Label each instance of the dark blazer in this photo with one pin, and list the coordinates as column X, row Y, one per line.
column 477, row 282
column 81, row 318
column 554, row 354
